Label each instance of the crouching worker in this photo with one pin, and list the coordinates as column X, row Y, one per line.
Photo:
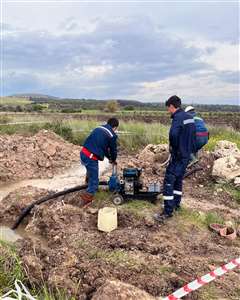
column 202, row 134
column 102, row 142
column 182, row 138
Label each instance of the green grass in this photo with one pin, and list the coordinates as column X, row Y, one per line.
column 46, row 294
column 231, row 190
column 102, row 197
column 139, row 208
column 121, row 257
column 200, row 219
column 14, row 101
column 135, row 134
column 10, row 267
column 209, row 292
column 222, row 133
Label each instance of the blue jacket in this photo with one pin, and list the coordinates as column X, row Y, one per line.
column 102, row 142
column 199, row 123
column 182, row 135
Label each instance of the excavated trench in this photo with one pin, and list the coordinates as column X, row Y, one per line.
column 69, row 178
column 62, row 247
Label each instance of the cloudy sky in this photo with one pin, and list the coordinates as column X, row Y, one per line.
column 133, row 50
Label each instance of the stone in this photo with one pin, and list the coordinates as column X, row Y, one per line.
column 118, row 290
column 226, row 168
column 237, row 182
column 226, row 148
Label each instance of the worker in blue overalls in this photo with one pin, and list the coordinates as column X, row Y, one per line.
column 102, row 142
column 202, row 133
column 182, row 142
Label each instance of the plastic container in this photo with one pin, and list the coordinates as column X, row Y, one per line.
column 107, row 219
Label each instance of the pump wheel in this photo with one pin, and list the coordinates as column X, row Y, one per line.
column 117, row 199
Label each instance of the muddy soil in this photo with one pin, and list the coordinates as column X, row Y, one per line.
column 69, row 252
column 156, row 258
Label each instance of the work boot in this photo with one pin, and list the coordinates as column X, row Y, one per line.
column 177, row 208
column 161, row 217
column 86, row 199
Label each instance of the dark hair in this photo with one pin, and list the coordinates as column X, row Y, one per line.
column 113, row 122
column 175, row 101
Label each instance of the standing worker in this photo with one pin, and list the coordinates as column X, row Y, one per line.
column 202, row 134
column 102, row 142
column 182, row 140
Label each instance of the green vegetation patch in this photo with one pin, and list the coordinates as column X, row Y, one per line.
column 234, row 192
column 200, row 219
column 10, row 267
column 222, row 133
column 14, row 101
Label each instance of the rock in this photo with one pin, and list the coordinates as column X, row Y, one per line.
column 237, row 182
column 118, row 290
column 226, row 148
column 154, row 153
column 226, row 168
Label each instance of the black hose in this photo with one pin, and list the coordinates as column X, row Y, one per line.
column 28, row 208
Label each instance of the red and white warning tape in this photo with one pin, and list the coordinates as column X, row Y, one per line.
column 196, row 284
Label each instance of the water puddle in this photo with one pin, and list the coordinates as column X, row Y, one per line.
column 8, row 235
column 11, row 236
column 69, row 178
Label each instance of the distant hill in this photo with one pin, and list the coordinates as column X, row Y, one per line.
column 34, row 95
column 57, row 103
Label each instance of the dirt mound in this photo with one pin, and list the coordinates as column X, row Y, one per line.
column 153, row 154
column 153, row 171
column 120, row 291
column 11, row 205
column 39, row 156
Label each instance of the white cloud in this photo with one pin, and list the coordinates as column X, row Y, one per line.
column 94, row 71
column 199, row 88
column 221, row 56
column 224, row 58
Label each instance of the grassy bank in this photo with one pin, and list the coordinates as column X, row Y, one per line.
column 132, row 136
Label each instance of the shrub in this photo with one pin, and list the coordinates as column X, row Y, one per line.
column 4, row 119
column 59, row 128
column 112, row 106
column 129, row 108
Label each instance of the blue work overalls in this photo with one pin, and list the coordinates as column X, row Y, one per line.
column 182, row 142
column 101, row 142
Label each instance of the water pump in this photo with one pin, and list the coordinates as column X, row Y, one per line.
column 130, row 186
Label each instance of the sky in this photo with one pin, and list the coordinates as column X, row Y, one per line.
column 139, row 50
